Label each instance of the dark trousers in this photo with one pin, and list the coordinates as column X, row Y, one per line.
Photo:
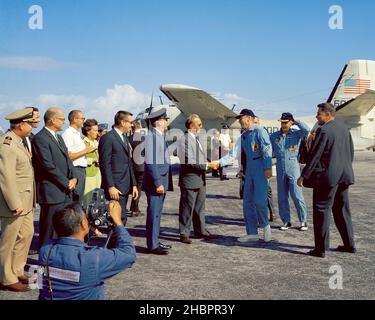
column 123, row 200
column 271, row 208
column 192, row 203
column 134, row 207
column 80, row 188
column 335, row 199
column 46, row 230
column 154, row 211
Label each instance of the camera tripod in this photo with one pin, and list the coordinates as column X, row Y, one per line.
column 109, row 236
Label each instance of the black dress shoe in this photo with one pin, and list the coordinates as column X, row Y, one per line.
column 346, row 249
column 165, row 246
column 159, row 250
column 207, row 236
column 316, row 253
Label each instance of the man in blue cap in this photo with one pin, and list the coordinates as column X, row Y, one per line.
column 256, row 158
column 285, row 145
column 102, row 129
column 157, row 179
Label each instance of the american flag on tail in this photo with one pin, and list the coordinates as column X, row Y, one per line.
column 359, row 86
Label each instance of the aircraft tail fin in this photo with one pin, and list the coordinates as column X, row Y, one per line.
column 356, row 77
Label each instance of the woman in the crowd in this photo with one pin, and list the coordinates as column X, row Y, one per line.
column 93, row 177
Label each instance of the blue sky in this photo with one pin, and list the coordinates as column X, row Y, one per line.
column 272, row 55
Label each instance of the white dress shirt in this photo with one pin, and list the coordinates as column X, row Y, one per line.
column 74, row 143
column 120, row 133
column 52, row 132
column 199, row 144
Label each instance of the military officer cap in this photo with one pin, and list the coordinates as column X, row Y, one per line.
column 103, row 126
column 246, row 112
column 157, row 115
column 22, row 115
column 286, row 117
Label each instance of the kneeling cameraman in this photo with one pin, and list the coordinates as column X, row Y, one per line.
column 74, row 271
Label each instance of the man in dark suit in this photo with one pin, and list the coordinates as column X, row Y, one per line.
column 157, row 179
column 55, row 175
column 115, row 162
column 329, row 171
column 192, row 182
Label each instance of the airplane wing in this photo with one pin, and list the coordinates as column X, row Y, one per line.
column 193, row 100
column 359, row 106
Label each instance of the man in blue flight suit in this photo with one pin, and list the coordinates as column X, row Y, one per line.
column 256, row 158
column 74, row 271
column 285, row 145
column 157, row 179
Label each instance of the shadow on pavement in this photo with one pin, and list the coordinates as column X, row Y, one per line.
column 216, row 220
column 220, row 196
column 231, row 241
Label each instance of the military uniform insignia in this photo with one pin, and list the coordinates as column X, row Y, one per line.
column 255, row 147
column 7, row 140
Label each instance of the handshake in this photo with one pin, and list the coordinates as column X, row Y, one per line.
column 214, row 165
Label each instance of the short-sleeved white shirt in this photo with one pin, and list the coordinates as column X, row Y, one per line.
column 74, row 143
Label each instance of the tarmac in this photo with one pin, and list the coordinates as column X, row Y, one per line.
column 224, row 269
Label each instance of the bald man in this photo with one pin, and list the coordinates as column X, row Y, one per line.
column 54, row 171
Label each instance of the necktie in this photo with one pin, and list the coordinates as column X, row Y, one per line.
column 25, row 144
column 199, row 143
column 57, row 138
column 127, row 144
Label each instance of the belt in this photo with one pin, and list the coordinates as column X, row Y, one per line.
column 80, row 167
column 257, row 158
column 94, row 164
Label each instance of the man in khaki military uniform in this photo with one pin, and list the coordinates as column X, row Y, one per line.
column 17, row 199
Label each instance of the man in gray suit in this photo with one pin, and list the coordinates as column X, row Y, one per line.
column 329, row 172
column 192, row 182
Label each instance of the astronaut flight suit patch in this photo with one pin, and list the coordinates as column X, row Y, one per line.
column 292, row 148
column 255, row 147
column 62, row 274
column 277, row 139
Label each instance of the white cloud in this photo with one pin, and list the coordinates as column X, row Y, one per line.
column 48, row 100
column 124, row 97
column 102, row 108
column 263, row 109
column 121, row 97
column 31, row 63
column 230, row 99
